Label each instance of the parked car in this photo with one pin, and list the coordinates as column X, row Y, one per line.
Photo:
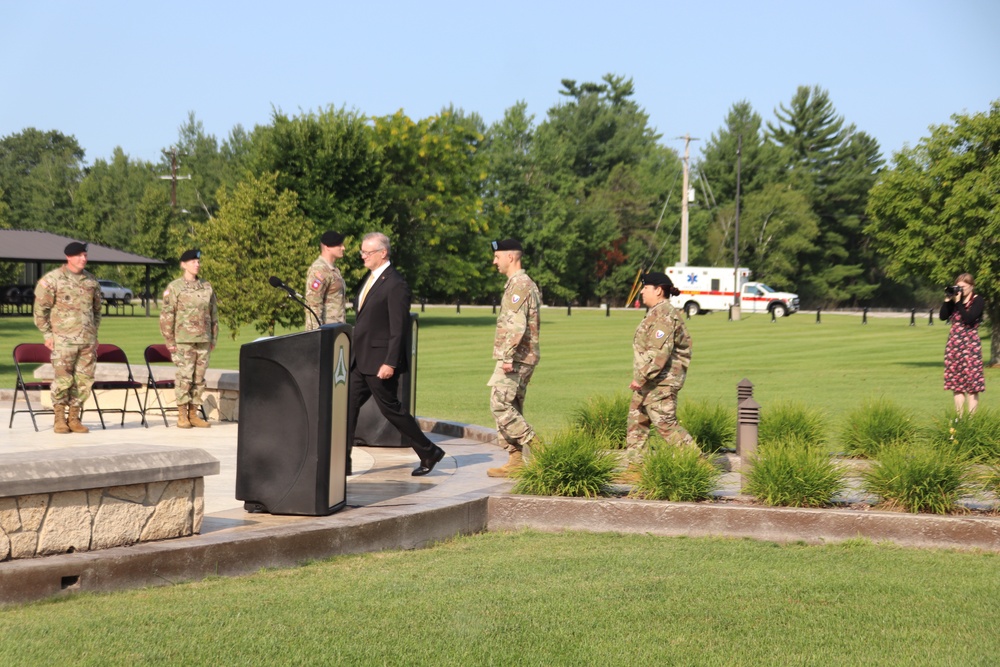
column 112, row 291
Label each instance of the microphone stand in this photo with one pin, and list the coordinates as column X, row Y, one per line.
column 295, row 297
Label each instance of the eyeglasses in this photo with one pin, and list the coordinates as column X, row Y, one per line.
column 365, row 254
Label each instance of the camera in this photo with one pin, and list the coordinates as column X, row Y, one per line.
column 953, row 290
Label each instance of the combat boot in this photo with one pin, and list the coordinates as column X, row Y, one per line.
column 515, row 462
column 194, row 419
column 183, row 416
column 74, row 420
column 61, row 426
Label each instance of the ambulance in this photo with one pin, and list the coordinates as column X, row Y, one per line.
column 707, row 288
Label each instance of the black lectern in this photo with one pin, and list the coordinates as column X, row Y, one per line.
column 291, row 447
column 373, row 429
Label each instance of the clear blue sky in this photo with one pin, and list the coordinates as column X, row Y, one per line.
column 127, row 73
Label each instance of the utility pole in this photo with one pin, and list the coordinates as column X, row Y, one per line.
column 173, row 177
column 686, row 162
column 736, row 233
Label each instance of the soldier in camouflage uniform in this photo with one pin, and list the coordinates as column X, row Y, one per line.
column 662, row 353
column 516, row 352
column 324, row 284
column 68, row 313
column 189, row 323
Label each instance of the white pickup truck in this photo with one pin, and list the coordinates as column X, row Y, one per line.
column 707, row 288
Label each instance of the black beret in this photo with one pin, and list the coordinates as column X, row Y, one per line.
column 507, row 244
column 190, row 254
column 657, row 279
column 75, row 248
column 332, row 239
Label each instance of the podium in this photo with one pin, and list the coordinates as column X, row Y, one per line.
column 291, row 453
column 373, row 430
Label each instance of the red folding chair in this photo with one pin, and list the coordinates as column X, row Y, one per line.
column 29, row 353
column 112, row 354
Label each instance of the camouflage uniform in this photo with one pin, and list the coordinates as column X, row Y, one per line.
column 516, row 342
column 68, row 312
column 189, row 321
column 662, row 353
column 324, row 294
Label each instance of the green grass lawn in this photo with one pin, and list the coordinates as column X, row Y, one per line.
column 546, row 599
column 834, row 365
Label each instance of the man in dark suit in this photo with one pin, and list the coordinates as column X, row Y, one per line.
column 383, row 316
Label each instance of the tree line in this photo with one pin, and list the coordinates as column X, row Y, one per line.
column 590, row 189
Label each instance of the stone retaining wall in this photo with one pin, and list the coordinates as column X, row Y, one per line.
column 87, row 498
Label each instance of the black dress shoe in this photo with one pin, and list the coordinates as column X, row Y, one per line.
column 427, row 465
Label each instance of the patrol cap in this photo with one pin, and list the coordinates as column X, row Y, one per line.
column 657, row 279
column 190, row 254
column 332, row 239
column 507, row 244
column 75, row 248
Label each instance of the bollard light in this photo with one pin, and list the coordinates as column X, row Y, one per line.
column 930, row 318
column 817, row 316
column 747, row 423
column 913, row 317
column 607, row 310
column 458, row 306
column 864, row 316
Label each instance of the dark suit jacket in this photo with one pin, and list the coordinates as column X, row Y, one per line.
column 381, row 326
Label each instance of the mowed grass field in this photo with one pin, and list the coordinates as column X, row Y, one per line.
column 834, row 365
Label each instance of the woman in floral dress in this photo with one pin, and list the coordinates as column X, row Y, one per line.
column 963, row 354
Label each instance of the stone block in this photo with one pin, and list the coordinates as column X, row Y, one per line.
column 22, row 545
column 66, row 527
column 32, row 510
column 119, row 523
column 173, row 514
column 10, row 519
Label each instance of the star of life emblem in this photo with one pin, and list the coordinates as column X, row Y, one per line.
column 692, row 278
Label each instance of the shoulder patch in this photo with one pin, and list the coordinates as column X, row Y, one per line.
column 166, row 293
column 660, row 333
column 315, row 284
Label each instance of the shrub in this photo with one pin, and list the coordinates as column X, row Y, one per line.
column 790, row 420
column 712, row 426
column 675, row 473
column 791, row 472
column 570, row 464
column 975, row 437
column 921, row 478
column 604, row 418
column 877, row 423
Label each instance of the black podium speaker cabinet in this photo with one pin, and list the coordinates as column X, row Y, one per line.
column 373, row 429
column 291, row 450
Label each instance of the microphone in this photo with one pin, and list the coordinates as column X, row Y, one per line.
column 276, row 282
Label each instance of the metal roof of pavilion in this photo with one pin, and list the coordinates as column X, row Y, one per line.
column 17, row 245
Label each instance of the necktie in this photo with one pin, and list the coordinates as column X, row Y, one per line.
column 364, row 290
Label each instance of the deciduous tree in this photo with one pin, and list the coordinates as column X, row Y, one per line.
column 936, row 212
column 257, row 233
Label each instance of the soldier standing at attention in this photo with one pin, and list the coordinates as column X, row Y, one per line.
column 189, row 323
column 68, row 313
column 324, row 284
column 662, row 353
column 516, row 351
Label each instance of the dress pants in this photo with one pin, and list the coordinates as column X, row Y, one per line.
column 364, row 387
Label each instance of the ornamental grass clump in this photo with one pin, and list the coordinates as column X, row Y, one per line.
column 570, row 464
column 919, row 478
column 793, row 473
column 790, row 420
column 679, row 474
column 975, row 437
column 711, row 425
column 604, row 418
column 877, row 423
